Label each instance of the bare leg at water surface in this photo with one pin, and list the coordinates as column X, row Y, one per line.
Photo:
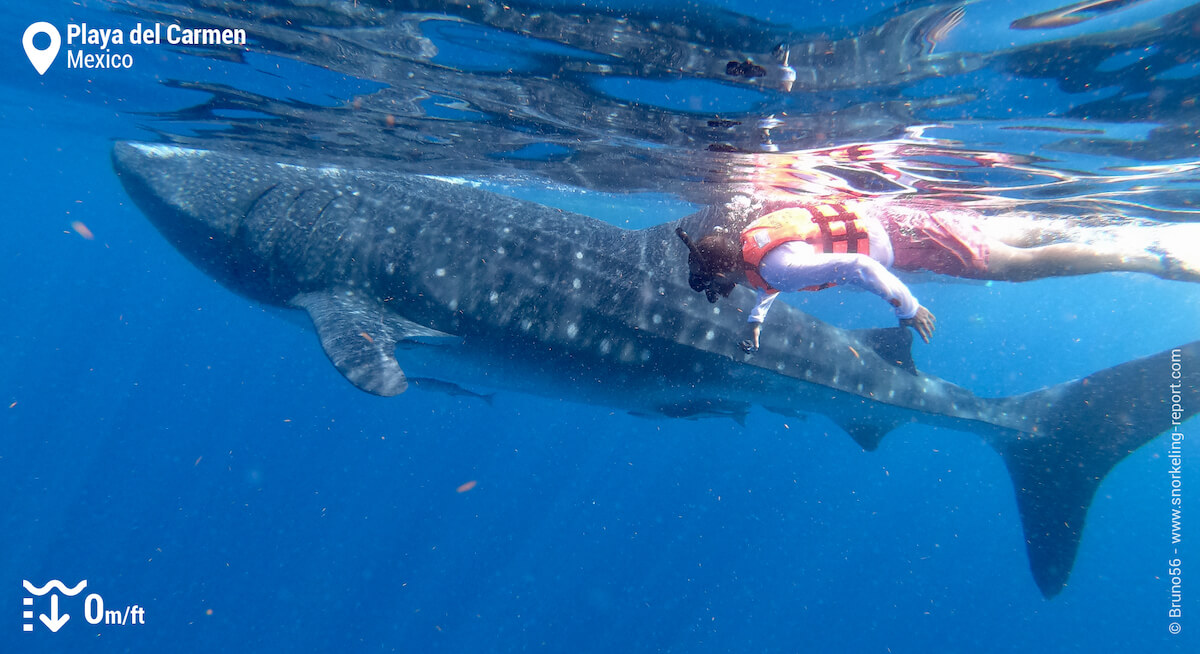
column 1025, row 246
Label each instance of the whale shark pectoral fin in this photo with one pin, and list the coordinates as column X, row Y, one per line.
column 892, row 344
column 359, row 336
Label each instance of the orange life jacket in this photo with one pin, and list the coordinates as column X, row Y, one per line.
column 828, row 227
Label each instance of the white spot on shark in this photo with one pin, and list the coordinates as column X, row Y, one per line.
column 576, row 284
column 440, row 272
column 391, row 230
column 656, row 319
column 708, row 336
column 627, row 352
column 572, row 330
column 494, row 297
column 578, row 255
column 605, row 346
column 391, row 268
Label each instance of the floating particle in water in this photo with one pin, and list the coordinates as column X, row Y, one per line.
column 366, row 336
column 467, row 486
column 854, row 351
column 82, row 230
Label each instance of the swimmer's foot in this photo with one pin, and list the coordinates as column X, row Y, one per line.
column 1182, row 265
column 1181, row 269
column 1178, row 251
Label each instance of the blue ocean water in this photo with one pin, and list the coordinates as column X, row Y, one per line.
column 191, row 452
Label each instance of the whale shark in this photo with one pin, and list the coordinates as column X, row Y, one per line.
column 409, row 277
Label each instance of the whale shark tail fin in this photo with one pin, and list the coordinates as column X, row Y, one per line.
column 1077, row 432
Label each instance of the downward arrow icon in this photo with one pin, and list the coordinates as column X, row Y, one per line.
column 54, row 622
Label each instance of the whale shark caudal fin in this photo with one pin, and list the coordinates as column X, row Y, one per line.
column 359, row 335
column 1079, row 431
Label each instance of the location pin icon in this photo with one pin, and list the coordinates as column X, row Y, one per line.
column 41, row 59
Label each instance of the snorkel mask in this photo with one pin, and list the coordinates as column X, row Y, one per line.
column 702, row 277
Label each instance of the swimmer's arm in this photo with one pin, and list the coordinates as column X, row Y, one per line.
column 754, row 322
column 759, row 312
column 870, row 275
column 873, row 276
column 750, row 345
column 796, row 269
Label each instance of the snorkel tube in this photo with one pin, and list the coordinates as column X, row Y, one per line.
column 687, row 241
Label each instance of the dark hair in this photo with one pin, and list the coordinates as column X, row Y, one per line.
column 720, row 253
column 711, row 264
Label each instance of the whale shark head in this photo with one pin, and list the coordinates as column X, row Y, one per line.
column 168, row 174
column 203, row 222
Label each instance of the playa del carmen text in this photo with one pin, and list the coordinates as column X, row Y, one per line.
column 1175, row 472
column 82, row 39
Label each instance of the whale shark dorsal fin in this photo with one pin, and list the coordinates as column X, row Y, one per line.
column 359, row 336
column 892, row 344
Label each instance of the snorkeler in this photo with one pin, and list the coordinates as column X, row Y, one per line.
column 812, row 246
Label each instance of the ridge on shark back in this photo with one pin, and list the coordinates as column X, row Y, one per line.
column 469, row 287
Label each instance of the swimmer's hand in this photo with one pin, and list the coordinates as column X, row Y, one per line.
column 750, row 345
column 924, row 323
